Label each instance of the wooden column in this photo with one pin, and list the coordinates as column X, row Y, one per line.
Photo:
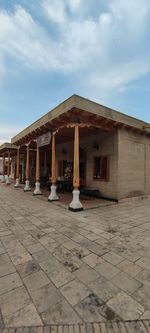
column 27, row 185
column 53, row 178
column 3, row 164
column 53, row 195
column 17, row 169
column 18, row 164
column 3, row 177
column 75, row 204
column 37, row 190
column 8, row 168
column 76, row 179
column 37, row 177
column 28, row 163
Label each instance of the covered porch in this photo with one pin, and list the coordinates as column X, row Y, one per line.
column 57, row 155
column 7, row 151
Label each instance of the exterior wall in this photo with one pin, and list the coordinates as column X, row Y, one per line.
column 108, row 146
column 133, row 164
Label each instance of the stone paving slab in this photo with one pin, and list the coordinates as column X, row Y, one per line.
column 111, row 327
column 64, row 272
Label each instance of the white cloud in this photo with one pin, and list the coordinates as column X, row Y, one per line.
column 25, row 40
column 118, row 76
column 74, row 4
column 7, row 132
column 109, row 50
column 2, row 67
column 55, row 10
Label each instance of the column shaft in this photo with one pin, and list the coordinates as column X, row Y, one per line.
column 53, row 195
column 53, row 160
column 37, row 190
column 8, row 169
column 76, row 180
column 3, row 177
column 27, row 185
column 17, row 171
column 75, row 204
column 37, row 178
column 18, row 164
column 3, row 164
column 27, row 162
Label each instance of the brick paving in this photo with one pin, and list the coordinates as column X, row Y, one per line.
column 73, row 272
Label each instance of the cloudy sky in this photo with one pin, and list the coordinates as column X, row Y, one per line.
column 51, row 49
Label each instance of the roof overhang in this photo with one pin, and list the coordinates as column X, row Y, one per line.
column 77, row 109
column 7, row 147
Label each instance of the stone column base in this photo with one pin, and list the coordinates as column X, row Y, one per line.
column 53, row 195
column 3, row 179
column 17, row 183
column 27, row 186
column 8, row 181
column 37, row 190
column 75, row 204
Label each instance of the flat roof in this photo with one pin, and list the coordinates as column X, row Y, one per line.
column 84, row 104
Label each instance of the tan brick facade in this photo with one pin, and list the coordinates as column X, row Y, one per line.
column 129, row 163
column 133, row 164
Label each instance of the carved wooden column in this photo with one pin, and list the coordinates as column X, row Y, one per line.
column 27, row 183
column 53, row 195
column 3, row 177
column 76, row 205
column 17, row 169
column 37, row 190
column 8, row 182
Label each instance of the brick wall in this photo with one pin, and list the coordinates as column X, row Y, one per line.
column 133, row 164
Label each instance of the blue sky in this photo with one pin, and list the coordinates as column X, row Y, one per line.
column 51, row 49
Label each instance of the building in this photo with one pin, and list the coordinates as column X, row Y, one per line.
column 7, row 150
column 83, row 145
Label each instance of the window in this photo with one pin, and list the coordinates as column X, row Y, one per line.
column 101, row 168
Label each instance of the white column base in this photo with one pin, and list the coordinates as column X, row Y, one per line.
column 53, row 195
column 17, row 183
column 75, row 204
column 27, row 186
column 8, row 181
column 37, row 190
column 3, row 179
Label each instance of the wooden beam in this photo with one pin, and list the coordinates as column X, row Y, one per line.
column 146, row 126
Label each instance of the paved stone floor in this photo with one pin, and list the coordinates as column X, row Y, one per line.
column 63, row 271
